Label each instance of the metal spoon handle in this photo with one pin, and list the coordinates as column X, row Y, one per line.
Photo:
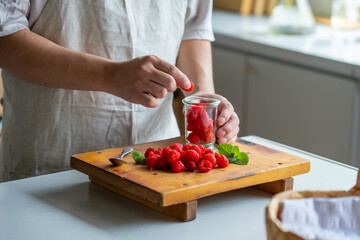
column 126, row 151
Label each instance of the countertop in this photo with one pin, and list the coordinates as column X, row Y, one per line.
column 320, row 50
column 66, row 205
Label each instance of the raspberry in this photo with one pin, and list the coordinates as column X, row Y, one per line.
column 204, row 166
column 173, row 156
column 217, row 155
column 202, row 148
column 186, row 147
column 190, row 155
column 190, row 88
column 150, row 149
column 193, row 138
column 159, row 151
column 166, row 152
column 161, row 162
column 208, row 151
column 152, row 154
column 151, row 162
column 208, row 137
column 177, row 146
column 177, row 167
column 190, row 166
column 222, row 162
column 196, row 148
column 211, row 158
column 200, row 125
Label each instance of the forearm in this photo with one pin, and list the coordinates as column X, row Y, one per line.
column 38, row 60
column 195, row 61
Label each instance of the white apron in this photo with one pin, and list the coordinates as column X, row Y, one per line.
column 43, row 127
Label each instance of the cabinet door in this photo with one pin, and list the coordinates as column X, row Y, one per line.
column 300, row 107
column 229, row 78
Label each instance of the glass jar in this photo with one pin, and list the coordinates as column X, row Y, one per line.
column 200, row 120
column 292, row 17
column 345, row 20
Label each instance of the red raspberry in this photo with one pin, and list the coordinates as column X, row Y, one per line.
column 204, row 166
column 177, row 146
column 187, row 147
column 208, row 137
column 196, row 148
column 166, row 152
column 202, row 148
column 190, row 155
column 211, row 158
column 193, row 138
column 173, row 156
column 159, row 151
column 222, row 162
column 150, row 149
column 151, row 162
column 161, row 162
column 190, row 166
column 208, row 151
column 152, row 154
column 217, row 155
column 177, row 167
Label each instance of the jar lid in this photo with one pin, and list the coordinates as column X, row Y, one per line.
column 203, row 101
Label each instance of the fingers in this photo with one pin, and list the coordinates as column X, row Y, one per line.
column 165, row 80
column 229, row 131
column 225, row 111
column 180, row 78
column 155, row 89
column 148, row 100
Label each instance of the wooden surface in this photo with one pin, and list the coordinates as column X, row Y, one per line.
column 260, row 7
column 229, row 5
column 277, row 186
column 164, row 188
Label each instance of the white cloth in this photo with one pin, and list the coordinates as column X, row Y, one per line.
column 43, row 126
column 23, row 14
column 322, row 218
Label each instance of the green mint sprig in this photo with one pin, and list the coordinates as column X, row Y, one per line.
column 233, row 154
column 139, row 159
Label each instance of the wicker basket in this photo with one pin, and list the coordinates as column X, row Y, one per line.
column 274, row 228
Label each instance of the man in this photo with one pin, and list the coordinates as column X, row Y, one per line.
column 98, row 74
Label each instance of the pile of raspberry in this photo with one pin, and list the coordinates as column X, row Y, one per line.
column 199, row 124
column 190, row 157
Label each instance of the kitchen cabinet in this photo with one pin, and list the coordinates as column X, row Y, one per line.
column 229, row 79
column 305, row 108
column 301, row 107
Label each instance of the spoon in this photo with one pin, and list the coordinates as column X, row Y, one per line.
column 119, row 161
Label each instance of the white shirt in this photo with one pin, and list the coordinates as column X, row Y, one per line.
column 22, row 14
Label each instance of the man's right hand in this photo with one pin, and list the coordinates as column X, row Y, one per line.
column 142, row 80
column 145, row 80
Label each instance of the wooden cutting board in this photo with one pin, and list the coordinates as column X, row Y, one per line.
column 176, row 193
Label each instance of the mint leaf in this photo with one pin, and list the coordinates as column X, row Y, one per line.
column 225, row 149
column 242, row 158
column 233, row 154
column 139, row 159
column 232, row 159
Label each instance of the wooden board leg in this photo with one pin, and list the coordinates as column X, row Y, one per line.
column 276, row 186
column 182, row 211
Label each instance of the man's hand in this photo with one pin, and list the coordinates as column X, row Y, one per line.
column 145, row 80
column 227, row 120
column 35, row 59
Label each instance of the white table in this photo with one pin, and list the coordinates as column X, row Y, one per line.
column 66, row 205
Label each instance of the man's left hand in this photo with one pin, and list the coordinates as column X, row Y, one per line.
column 227, row 120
